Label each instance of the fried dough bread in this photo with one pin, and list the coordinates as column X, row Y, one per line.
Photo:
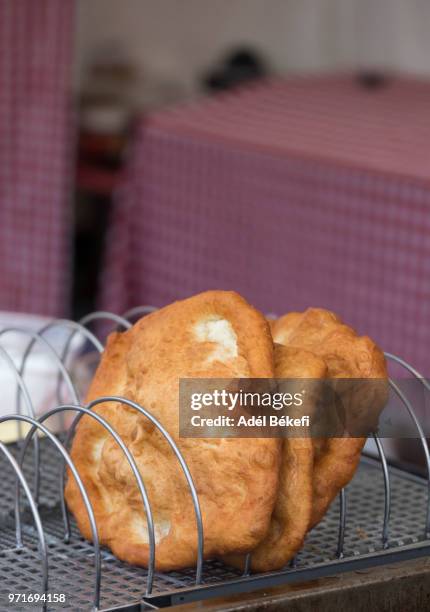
column 293, row 508
column 347, row 356
column 216, row 334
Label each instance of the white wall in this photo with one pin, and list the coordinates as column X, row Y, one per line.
column 180, row 38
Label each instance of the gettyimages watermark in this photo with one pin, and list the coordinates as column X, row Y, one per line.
column 320, row 408
column 236, row 401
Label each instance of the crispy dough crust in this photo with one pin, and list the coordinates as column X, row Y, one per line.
column 346, row 355
column 293, row 508
column 236, row 479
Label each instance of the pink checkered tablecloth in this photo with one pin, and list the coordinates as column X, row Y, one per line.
column 35, row 163
column 310, row 191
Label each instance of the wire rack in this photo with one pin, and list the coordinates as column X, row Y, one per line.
column 382, row 516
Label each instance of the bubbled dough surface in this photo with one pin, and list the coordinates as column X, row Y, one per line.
column 215, row 334
column 293, row 508
column 347, row 356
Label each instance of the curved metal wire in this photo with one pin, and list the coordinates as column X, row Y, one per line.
column 417, row 424
column 247, row 566
column 63, row 374
column 80, row 327
column 75, row 327
column 174, row 447
column 387, row 490
column 30, row 408
column 103, row 314
column 93, row 316
column 184, row 466
column 410, row 369
column 43, row 549
column 36, row 337
column 38, row 425
column 342, row 524
column 141, row 486
column 139, row 310
column 421, row 435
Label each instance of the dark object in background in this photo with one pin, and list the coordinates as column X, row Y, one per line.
column 91, row 221
column 239, row 66
column 99, row 163
column 371, row 79
column 106, row 111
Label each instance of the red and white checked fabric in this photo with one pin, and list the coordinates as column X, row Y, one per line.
column 309, row 192
column 35, row 162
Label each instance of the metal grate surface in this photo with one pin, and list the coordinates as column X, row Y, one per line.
column 71, row 566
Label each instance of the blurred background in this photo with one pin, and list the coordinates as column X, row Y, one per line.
column 151, row 149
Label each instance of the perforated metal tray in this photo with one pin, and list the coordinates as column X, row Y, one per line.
column 71, row 566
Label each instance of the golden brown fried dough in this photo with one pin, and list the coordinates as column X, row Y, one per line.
column 292, row 512
column 347, row 356
column 214, row 334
